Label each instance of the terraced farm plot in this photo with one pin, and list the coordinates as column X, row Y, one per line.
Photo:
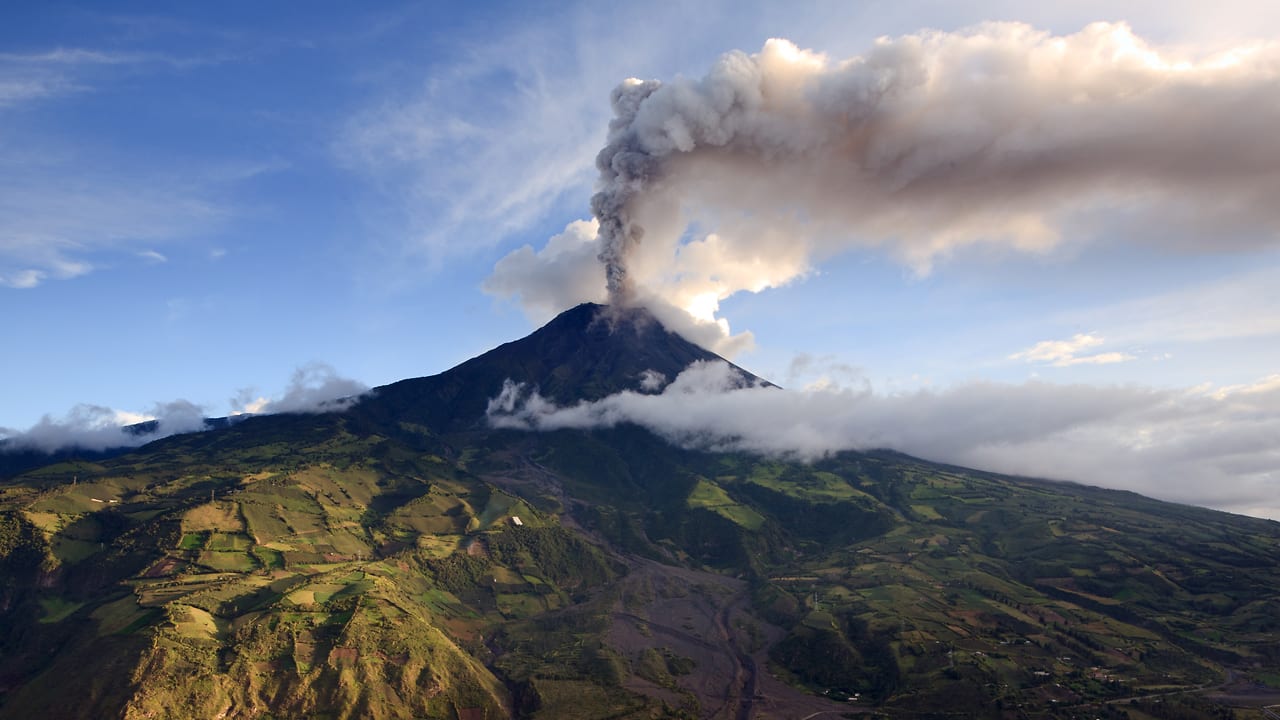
column 57, row 609
column 294, row 558
column 193, row 540
column 434, row 524
column 440, row 546
column 352, row 487
column 197, row 624
column 264, row 522
column 500, row 507
column 121, row 615
column 926, row 512
column 520, row 605
column 48, row 521
column 814, row 486
column 157, row 592
column 236, row 595
column 506, row 576
column 434, row 514
column 228, row 542
column 227, row 561
column 73, row 502
column 268, row 558
column 350, row 541
column 343, row 516
column 713, row 497
column 322, row 592
column 581, row 700
column 304, row 525
column 220, row 516
column 71, row 551
column 295, row 499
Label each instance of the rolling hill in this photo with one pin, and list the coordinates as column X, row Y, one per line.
column 404, row 559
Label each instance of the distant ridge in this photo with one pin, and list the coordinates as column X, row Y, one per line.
column 16, row 459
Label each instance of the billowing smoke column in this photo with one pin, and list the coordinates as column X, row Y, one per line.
column 927, row 143
column 625, row 167
column 651, row 122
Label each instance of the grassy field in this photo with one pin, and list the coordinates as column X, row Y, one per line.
column 57, row 609
column 710, row 496
column 221, row 517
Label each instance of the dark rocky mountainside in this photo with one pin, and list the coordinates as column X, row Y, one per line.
column 586, row 353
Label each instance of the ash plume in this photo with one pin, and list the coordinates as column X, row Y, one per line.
column 926, row 143
column 626, row 166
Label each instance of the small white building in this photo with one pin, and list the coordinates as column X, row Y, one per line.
column 516, row 521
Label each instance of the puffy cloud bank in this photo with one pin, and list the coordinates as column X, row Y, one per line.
column 95, row 427
column 1203, row 446
column 747, row 177
column 314, row 388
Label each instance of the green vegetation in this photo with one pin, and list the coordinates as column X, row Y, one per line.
column 903, row 584
column 369, row 564
column 56, row 609
column 711, row 497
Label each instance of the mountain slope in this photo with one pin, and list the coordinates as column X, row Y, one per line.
column 369, row 564
column 586, row 353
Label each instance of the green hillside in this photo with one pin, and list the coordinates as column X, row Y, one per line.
column 399, row 560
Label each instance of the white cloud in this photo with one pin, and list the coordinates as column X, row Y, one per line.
column 247, row 402
column 1065, row 353
column 22, row 279
column 1269, row 384
column 94, row 427
column 313, row 388
column 561, row 275
column 823, row 372
column 1209, row 448
column 652, row 381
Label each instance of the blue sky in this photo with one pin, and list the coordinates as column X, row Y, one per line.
column 196, row 201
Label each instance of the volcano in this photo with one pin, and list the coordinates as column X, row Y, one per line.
column 401, row 558
column 585, row 353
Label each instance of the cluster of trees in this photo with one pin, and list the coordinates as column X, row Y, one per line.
column 22, row 545
column 556, row 554
column 850, row 658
